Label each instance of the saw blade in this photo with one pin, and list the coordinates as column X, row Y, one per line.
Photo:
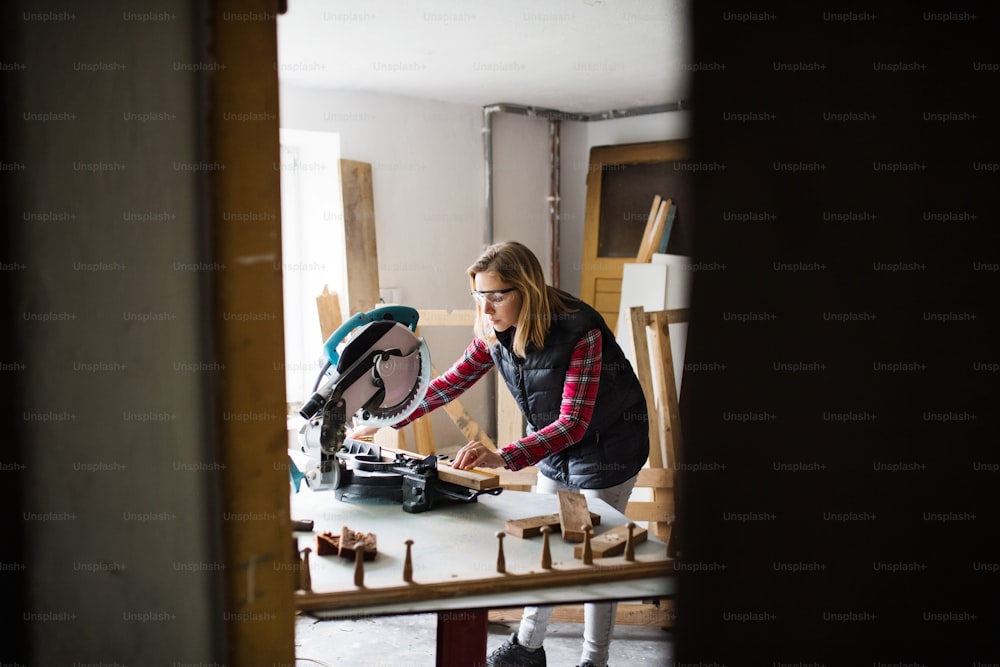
column 408, row 397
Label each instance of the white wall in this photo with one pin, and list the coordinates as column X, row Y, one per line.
column 312, row 233
column 521, row 183
column 427, row 173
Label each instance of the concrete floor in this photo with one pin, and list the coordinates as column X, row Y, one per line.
column 409, row 641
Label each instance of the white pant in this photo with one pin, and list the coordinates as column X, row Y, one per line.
column 598, row 617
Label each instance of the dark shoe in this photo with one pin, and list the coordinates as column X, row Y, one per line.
column 512, row 654
column 587, row 663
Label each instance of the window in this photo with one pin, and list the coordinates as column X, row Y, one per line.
column 312, row 245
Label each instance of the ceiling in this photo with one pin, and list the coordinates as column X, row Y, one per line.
column 570, row 55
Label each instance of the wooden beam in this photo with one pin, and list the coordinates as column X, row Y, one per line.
column 640, row 347
column 659, row 510
column 612, row 542
column 359, row 236
column 677, row 315
column 661, row 614
column 532, row 526
column 661, row 478
column 423, row 435
column 668, row 414
column 330, row 317
column 574, row 517
column 464, row 421
column 518, row 480
column 566, row 574
column 651, row 235
column 260, row 568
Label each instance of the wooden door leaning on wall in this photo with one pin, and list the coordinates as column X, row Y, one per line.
column 621, row 181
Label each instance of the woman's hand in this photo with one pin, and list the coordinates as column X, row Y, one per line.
column 362, row 432
column 477, row 455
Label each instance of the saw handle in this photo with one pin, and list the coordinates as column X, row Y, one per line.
column 403, row 314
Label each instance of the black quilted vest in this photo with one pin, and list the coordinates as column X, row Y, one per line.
column 616, row 443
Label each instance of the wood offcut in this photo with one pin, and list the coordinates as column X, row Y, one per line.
column 532, row 526
column 345, row 544
column 574, row 518
column 614, row 542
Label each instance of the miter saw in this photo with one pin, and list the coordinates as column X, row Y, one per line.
column 377, row 372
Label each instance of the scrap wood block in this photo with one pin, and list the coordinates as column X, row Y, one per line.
column 574, row 517
column 328, row 544
column 611, row 543
column 532, row 526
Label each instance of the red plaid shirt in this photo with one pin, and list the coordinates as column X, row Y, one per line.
column 575, row 410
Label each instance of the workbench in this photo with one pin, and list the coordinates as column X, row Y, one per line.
column 457, row 543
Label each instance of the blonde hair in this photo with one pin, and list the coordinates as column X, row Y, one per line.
column 513, row 263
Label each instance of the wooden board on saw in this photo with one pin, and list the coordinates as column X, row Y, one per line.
column 532, row 526
column 359, row 235
column 470, row 479
column 611, row 543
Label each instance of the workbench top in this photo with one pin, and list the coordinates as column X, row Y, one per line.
column 456, row 542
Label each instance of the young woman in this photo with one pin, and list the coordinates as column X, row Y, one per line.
column 587, row 423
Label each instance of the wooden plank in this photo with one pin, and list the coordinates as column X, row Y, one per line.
column 359, row 236
column 473, row 478
column 565, row 574
column 259, row 570
column 667, row 227
column 647, row 232
column 470, row 479
column 651, row 237
column 668, row 413
column 423, row 435
column 612, row 542
column 330, row 317
column 591, row 229
column 661, row 510
column 677, row 315
column 532, row 526
column 467, row 425
column 662, row 478
column 464, row 421
column 653, row 210
column 640, row 348
column 574, row 516
column 661, row 614
column 390, row 437
column 518, row 480
column 454, row 409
